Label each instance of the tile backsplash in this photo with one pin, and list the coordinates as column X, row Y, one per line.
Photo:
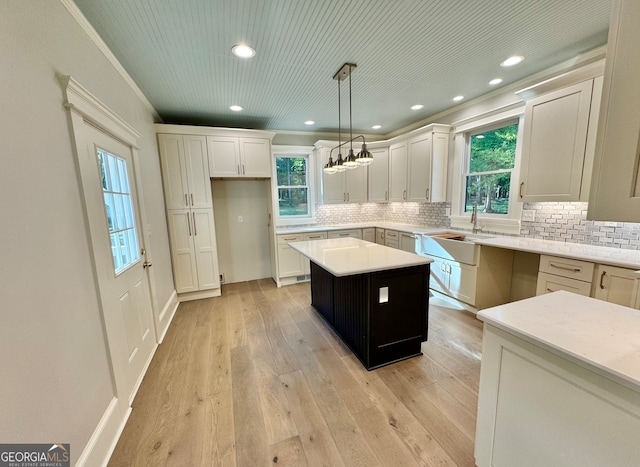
column 553, row 221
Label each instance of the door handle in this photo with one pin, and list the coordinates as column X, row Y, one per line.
column 186, row 200
column 521, row 187
column 146, row 265
column 191, row 199
column 189, row 224
column 195, row 230
column 426, row 193
column 604, row 273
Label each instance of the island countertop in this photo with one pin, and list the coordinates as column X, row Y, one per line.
column 595, row 334
column 349, row 256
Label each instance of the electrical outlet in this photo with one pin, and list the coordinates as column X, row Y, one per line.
column 222, row 278
column 529, row 215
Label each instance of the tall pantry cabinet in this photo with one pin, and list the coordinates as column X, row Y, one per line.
column 187, row 189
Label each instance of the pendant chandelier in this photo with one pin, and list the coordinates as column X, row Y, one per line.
column 352, row 161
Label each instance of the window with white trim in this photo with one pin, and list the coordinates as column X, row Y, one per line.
column 294, row 201
column 489, row 166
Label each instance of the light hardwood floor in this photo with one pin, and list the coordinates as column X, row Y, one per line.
column 256, row 378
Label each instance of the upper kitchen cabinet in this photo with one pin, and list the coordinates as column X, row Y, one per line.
column 418, row 165
column 349, row 186
column 615, row 194
column 560, row 122
column 185, row 171
column 378, row 179
column 231, row 157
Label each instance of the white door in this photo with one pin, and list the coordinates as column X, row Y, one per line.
column 112, row 208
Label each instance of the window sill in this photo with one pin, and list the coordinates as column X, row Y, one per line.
column 488, row 224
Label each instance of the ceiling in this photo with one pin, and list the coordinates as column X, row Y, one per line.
column 407, row 52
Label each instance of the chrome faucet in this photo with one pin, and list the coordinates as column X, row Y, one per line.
column 474, row 217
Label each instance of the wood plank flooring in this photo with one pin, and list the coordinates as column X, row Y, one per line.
column 256, row 378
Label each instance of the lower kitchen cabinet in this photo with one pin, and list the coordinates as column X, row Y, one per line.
column 292, row 266
column 392, row 238
column 355, row 233
column 408, row 242
column 193, row 249
column 369, row 235
column 615, row 285
column 568, row 274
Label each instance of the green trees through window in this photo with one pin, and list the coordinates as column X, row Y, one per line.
column 491, row 160
column 293, row 189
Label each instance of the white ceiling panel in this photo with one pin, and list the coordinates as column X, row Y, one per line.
column 407, row 52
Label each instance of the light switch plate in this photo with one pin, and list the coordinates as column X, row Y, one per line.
column 529, row 215
column 383, row 295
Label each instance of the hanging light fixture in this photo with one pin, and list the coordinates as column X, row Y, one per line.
column 352, row 161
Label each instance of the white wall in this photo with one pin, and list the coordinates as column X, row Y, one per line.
column 244, row 252
column 56, row 381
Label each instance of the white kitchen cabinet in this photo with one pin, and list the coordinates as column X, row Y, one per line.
column 568, row 274
column 418, row 166
column 349, row 186
column 378, row 177
column 392, row 238
column 559, row 137
column 398, row 163
column 354, row 233
column 185, row 171
column 379, row 236
column 369, row 234
column 428, row 154
column 615, row 285
column 233, row 157
column 193, row 249
column 615, row 194
column 290, row 262
column 408, row 242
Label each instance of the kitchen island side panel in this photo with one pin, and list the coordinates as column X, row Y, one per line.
column 352, row 314
column 322, row 292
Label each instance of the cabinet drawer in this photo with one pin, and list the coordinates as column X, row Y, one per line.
column 548, row 283
column 565, row 267
column 355, row 233
column 315, row 236
column 284, row 239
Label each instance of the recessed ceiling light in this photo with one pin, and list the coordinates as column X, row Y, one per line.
column 417, row 107
column 458, row 98
column 495, row 81
column 376, row 127
column 243, row 51
column 235, row 108
column 513, row 60
column 309, row 122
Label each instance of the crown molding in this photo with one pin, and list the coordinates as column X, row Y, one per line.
column 102, row 46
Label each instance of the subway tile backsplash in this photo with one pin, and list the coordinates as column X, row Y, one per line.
column 565, row 222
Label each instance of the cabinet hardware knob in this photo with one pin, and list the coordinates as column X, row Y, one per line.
column 565, row 268
column 386, row 196
column 521, row 187
column 191, row 199
column 186, row 200
column 146, row 265
column 195, row 231
column 602, row 279
column 426, row 193
column 243, row 169
column 189, row 224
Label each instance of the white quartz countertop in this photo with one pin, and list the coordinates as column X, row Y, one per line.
column 416, row 229
column 601, row 336
column 348, row 256
column 597, row 254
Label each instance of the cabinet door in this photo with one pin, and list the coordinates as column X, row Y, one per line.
column 197, row 166
column 369, row 235
column 255, row 157
column 204, row 245
column 185, row 273
column 615, row 285
column 378, row 178
column 289, row 262
column 333, row 188
column 356, row 185
column 419, row 174
column 439, row 164
column 615, row 190
column 398, row 172
column 224, row 156
column 439, row 279
column 407, row 242
column 554, row 142
column 174, row 171
column 379, row 236
column 462, row 282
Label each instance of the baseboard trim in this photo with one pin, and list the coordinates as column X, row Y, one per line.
column 98, row 450
column 167, row 314
column 200, row 294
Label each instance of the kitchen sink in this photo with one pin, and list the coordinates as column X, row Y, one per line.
column 462, row 250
